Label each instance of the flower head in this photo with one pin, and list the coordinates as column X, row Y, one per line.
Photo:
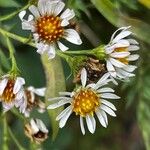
column 32, row 99
column 11, row 92
column 120, row 53
column 49, row 25
column 36, row 131
column 85, row 102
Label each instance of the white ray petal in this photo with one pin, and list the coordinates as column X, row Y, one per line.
column 114, row 34
column 51, row 51
column 90, row 123
column 110, row 68
column 103, row 90
column 34, row 10
column 133, row 57
column 41, row 126
column 63, row 113
column 67, row 14
column 64, row 119
column 109, row 104
column 83, row 77
column 133, row 48
column 101, row 119
column 124, row 74
column 119, row 54
column 104, row 116
column 7, row 106
column 62, row 46
column 3, row 84
column 59, row 98
column 103, row 78
column 109, row 96
column 34, row 126
column 58, row 104
column 18, row 84
column 82, row 126
column 41, row 47
column 133, row 41
column 59, row 7
column 20, row 94
column 130, row 68
column 37, row 91
column 117, row 63
column 22, row 14
column 108, row 110
column 65, row 93
column 121, row 35
column 42, row 7
column 72, row 36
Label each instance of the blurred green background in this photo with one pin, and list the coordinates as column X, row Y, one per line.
column 97, row 20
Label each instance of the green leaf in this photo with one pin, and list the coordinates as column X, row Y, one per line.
column 9, row 3
column 55, row 83
column 4, row 60
column 146, row 3
column 143, row 113
column 117, row 18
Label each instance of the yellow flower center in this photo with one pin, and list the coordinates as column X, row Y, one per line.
column 123, row 60
column 85, row 102
column 49, row 28
column 8, row 96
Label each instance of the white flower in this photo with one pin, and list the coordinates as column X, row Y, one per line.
column 36, row 131
column 11, row 92
column 32, row 100
column 86, row 101
column 49, row 25
column 120, row 52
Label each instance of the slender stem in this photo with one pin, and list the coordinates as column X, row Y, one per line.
column 5, row 134
column 15, row 112
column 17, row 37
column 82, row 52
column 11, row 52
column 20, row 147
column 9, row 16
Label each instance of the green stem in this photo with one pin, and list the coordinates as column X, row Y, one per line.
column 17, row 114
column 82, row 52
column 20, row 147
column 14, row 69
column 9, row 16
column 17, row 37
column 5, row 134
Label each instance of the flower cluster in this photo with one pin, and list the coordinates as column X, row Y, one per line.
column 50, row 24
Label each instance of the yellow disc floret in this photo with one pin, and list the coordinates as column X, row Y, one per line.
column 85, row 102
column 49, row 28
column 122, row 49
column 8, row 96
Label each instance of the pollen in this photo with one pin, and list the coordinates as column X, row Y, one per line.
column 49, row 29
column 8, row 96
column 125, row 59
column 85, row 102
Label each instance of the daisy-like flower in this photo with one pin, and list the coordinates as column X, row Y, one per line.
column 87, row 101
column 11, row 92
column 32, row 99
column 36, row 131
column 50, row 25
column 120, row 52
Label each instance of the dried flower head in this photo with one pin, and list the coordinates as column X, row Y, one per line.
column 120, row 54
column 11, row 92
column 33, row 101
column 85, row 102
column 50, row 25
column 95, row 70
column 36, row 131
